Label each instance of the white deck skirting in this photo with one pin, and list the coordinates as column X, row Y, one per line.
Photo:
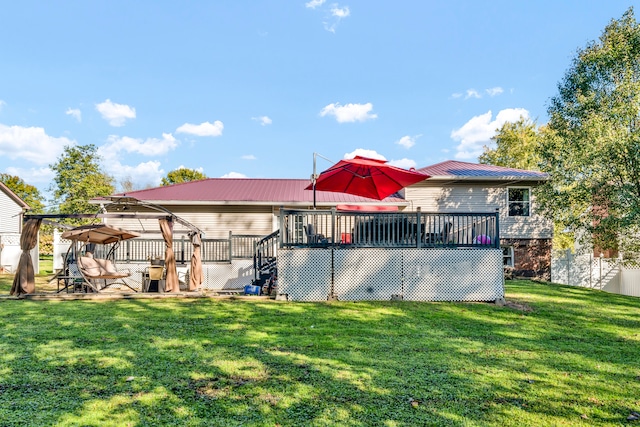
column 216, row 276
column 384, row 274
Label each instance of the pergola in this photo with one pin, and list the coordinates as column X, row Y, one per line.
column 24, row 279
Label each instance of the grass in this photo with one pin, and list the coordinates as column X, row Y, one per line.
column 553, row 356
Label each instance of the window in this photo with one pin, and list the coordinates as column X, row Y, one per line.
column 298, row 228
column 507, row 256
column 519, row 201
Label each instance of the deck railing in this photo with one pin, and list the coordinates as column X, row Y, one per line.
column 314, row 228
column 237, row 246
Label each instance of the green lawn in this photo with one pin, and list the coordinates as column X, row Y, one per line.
column 554, row 356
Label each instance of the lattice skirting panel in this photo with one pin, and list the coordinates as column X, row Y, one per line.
column 234, row 275
column 304, row 274
column 453, row 275
column 367, row 274
column 222, row 276
column 384, row 274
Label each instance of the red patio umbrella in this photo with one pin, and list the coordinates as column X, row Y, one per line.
column 362, row 176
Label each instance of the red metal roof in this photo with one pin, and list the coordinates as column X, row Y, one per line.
column 250, row 191
column 453, row 169
column 272, row 191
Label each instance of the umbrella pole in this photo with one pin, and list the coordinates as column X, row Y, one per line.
column 313, row 179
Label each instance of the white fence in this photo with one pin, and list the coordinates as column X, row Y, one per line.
column 10, row 253
column 587, row 271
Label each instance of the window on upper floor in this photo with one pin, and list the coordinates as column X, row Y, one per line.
column 519, row 201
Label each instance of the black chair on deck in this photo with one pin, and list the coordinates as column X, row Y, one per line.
column 313, row 238
column 439, row 238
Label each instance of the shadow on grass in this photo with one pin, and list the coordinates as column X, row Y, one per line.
column 207, row 362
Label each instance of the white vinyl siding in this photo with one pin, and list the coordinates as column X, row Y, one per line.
column 215, row 221
column 432, row 197
column 10, row 214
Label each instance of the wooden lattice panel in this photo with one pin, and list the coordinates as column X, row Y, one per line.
column 304, row 274
column 453, row 275
column 367, row 274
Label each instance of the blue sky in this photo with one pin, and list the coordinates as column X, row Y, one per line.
column 254, row 88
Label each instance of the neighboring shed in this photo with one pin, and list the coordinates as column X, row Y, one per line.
column 12, row 209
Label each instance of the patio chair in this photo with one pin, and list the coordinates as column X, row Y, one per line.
column 441, row 237
column 313, row 237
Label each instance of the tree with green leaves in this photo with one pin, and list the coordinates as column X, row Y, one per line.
column 182, row 175
column 78, row 179
column 516, row 146
column 591, row 146
column 28, row 193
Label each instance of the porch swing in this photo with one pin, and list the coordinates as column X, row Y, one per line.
column 97, row 273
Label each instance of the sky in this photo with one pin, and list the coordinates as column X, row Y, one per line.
column 254, row 88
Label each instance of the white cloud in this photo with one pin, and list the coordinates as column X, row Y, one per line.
column 403, row 163
column 363, row 152
column 263, row 120
column 143, row 173
column 333, row 13
column 115, row 114
column 350, row 112
column 200, row 169
column 32, row 176
column 2, row 104
column 314, row 3
column 249, row 157
column 408, row 141
column 149, row 147
column 494, row 91
column 337, row 15
column 477, row 132
column 31, row 144
column 340, row 12
column 203, row 129
column 75, row 113
column 233, row 175
column 472, row 93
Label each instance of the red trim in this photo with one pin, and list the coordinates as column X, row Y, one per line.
column 376, row 208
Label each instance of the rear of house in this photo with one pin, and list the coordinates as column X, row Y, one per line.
column 456, row 187
column 222, row 207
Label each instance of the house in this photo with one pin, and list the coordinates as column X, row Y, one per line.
column 219, row 206
column 251, row 206
column 12, row 209
column 525, row 236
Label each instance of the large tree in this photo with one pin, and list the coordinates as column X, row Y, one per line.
column 78, row 179
column 28, row 193
column 516, row 146
column 592, row 144
column 182, row 175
